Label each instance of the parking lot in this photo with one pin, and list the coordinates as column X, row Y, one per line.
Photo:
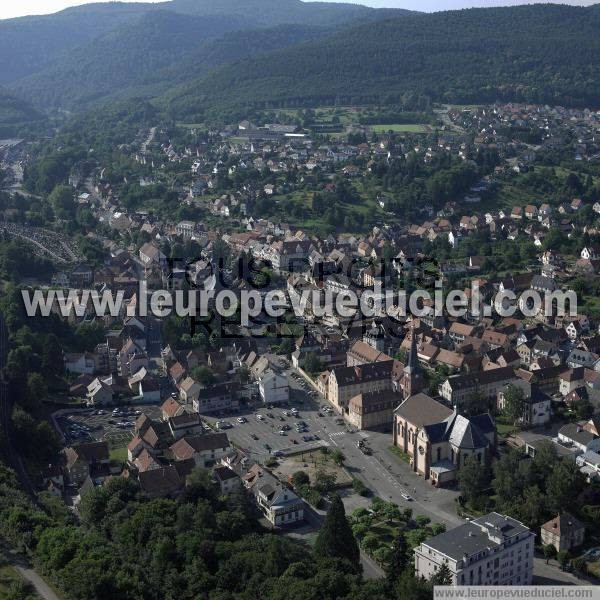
column 305, row 423
column 86, row 425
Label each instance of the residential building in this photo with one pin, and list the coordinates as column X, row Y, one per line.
column 564, row 532
column 491, row 550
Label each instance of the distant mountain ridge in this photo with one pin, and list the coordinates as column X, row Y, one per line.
column 538, row 53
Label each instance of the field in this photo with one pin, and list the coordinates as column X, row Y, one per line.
column 118, row 454
column 400, row 128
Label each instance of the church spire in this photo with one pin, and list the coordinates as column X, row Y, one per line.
column 412, row 365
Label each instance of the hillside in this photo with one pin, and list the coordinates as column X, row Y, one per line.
column 122, row 57
column 29, row 45
column 540, row 53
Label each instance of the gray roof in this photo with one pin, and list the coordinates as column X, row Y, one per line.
column 476, row 536
column 465, row 434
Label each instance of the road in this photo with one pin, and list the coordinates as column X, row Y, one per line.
column 384, row 473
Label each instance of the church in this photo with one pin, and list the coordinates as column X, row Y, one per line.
column 437, row 438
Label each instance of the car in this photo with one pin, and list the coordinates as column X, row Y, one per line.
column 270, row 415
column 278, row 453
column 266, row 446
column 294, row 441
column 173, row 394
column 253, row 436
column 285, row 427
column 282, row 432
column 406, row 496
column 242, row 420
column 294, row 411
column 111, row 421
column 281, row 418
column 260, row 417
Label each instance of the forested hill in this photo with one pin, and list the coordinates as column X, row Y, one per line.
column 121, row 57
column 280, row 12
column 29, row 45
column 539, row 53
column 13, row 113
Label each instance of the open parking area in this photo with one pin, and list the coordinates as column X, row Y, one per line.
column 112, row 424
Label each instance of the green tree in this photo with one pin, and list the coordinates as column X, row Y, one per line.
column 312, row 364
column 473, row 479
column 335, row 537
column 203, row 375
column 300, row 478
column 563, row 559
column 514, row 406
column 549, row 552
column 443, row 576
column 399, row 561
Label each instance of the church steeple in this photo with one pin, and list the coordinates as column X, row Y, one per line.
column 413, row 363
column 412, row 382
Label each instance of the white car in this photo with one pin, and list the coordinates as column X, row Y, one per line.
column 260, row 417
column 242, row 420
column 406, row 496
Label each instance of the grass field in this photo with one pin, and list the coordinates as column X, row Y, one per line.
column 119, row 454
column 400, row 128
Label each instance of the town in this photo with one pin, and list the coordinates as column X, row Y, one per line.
column 469, row 445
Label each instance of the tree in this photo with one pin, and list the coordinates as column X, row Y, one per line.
column 584, row 409
column 399, row 560
column 580, row 565
column 472, row 481
column 312, row 364
column 563, row 486
column 549, row 552
column 324, row 482
column 532, row 507
column 514, row 406
column 563, row 559
column 203, row 375
column 335, row 537
column 36, row 390
column 300, row 478
column 62, row 200
column 443, row 576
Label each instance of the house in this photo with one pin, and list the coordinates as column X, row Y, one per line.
column 579, row 437
column 185, row 424
column 273, row 387
column 373, row 410
column 189, row 389
column 205, row 449
column 564, row 532
column 162, row 482
column 459, row 389
column 151, row 256
column 491, row 550
column 227, row 479
column 83, row 460
column 216, row 398
column 171, row 408
column 100, row 392
column 280, row 505
column 570, row 380
column 346, row 382
column 439, row 440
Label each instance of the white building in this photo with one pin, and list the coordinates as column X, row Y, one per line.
column 491, row 550
column 273, row 387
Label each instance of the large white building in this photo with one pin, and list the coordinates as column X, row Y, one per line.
column 491, row 550
column 273, row 387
